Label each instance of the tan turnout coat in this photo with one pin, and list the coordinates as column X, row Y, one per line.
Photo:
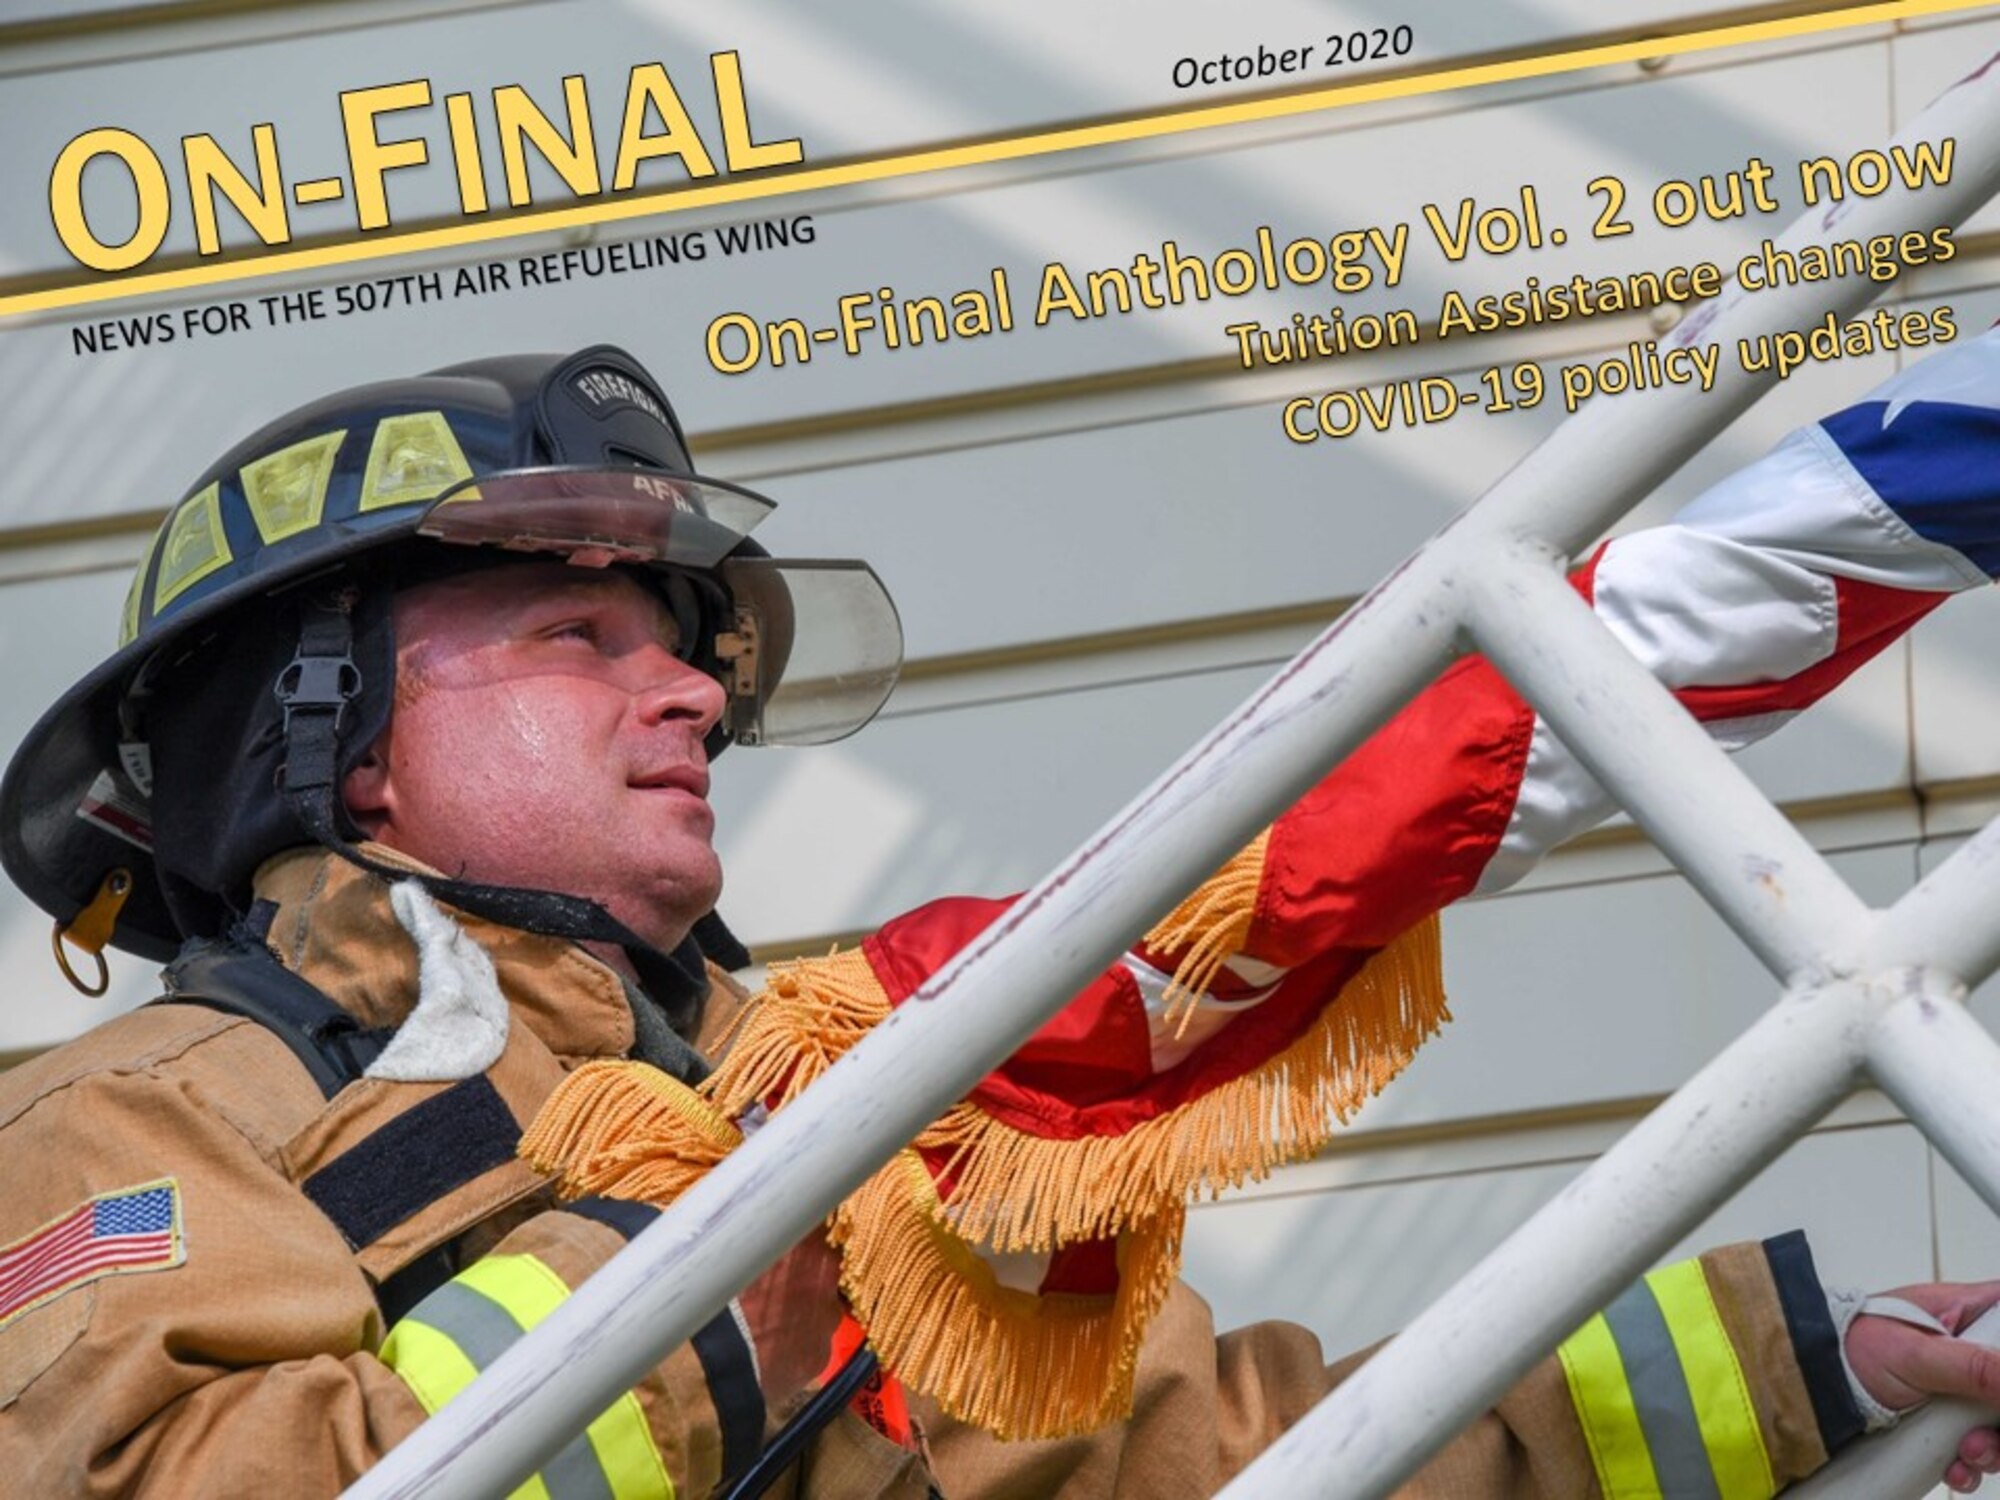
column 248, row 1366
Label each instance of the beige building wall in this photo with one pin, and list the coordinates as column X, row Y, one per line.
column 1098, row 535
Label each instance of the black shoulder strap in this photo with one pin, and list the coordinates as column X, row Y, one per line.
column 239, row 975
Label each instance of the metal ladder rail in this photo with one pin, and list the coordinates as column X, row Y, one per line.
column 966, row 1019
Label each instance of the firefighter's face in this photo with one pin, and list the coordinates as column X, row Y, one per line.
column 545, row 733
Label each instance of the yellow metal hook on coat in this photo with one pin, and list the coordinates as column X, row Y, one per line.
column 91, row 928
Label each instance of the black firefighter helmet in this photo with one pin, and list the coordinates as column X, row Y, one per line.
column 256, row 663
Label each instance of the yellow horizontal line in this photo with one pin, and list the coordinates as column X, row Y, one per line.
column 1513, row 1122
column 1799, row 810
column 45, row 28
column 1173, row 632
column 90, row 528
column 1360, row 1140
column 1160, row 124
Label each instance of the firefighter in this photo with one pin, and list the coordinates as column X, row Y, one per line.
column 401, row 768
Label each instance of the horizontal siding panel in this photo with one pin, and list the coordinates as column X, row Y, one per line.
column 1357, row 1265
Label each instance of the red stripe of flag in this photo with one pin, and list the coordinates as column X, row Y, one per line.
column 25, row 1262
column 28, row 1246
column 123, row 1251
column 57, row 1266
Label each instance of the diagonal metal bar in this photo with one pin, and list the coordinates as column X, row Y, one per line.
column 1933, row 1057
column 1701, row 1144
column 672, row 1277
column 1936, row 1061
column 1712, row 1135
column 1586, row 1245
column 1943, row 1068
column 1949, row 917
column 1923, row 1047
column 1757, row 870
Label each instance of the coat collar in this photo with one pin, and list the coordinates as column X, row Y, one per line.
column 334, row 927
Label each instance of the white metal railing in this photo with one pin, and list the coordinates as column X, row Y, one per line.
column 1879, row 991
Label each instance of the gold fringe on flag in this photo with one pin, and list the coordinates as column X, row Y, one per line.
column 1209, row 928
column 1015, row 1363
column 1017, row 1191
column 810, row 1012
column 627, row 1130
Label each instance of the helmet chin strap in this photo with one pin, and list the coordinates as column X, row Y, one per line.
column 316, row 689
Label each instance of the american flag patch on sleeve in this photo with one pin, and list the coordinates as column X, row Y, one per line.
column 132, row 1229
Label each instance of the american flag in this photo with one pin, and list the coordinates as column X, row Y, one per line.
column 134, row 1229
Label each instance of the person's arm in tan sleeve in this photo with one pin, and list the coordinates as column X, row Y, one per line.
column 249, row 1355
column 238, row 1359
column 1745, row 1325
column 1720, row 1374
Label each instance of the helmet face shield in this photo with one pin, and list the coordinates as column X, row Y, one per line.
column 817, row 649
column 814, row 647
column 597, row 517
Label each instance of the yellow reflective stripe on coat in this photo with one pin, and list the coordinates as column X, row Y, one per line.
column 1665, row 1408
column 467, row 1323
column 1603, row 1404
column 429, row 1362
column 1722, row 1404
